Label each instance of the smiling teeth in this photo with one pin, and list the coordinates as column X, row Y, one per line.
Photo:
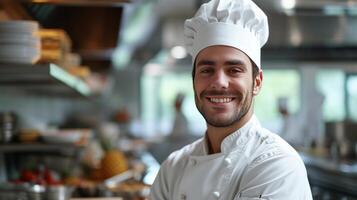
column 221, row 100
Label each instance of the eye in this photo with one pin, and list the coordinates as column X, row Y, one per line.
column 235, row 70
column 205, row 70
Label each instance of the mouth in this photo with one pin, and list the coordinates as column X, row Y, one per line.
column 220, row 100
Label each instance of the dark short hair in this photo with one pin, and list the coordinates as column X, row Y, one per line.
column 254, row 74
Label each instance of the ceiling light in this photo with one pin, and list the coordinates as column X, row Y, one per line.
column 288, row 4
column 178, row 52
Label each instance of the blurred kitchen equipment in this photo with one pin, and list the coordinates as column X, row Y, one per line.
column 130, row 189
column 120, row 178
column 11, row 191
column 126, row 184
column 58, row 192
column 66, row 136
column 341, row 139
column 36, row 192
column 8, row 126
column 21, row 191
column 25, row 191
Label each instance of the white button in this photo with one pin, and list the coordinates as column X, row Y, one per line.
column 228, row 161
column 183, row 196
column 216, row 194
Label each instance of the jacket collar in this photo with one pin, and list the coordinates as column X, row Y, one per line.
column 238, row 139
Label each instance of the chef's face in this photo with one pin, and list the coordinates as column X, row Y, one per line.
column 224, row 86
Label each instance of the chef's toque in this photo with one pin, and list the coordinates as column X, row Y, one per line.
column 237, row 23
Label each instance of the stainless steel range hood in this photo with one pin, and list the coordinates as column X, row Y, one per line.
column 311, row 30
column 323, row 23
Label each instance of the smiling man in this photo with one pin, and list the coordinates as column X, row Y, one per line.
column 237, row 158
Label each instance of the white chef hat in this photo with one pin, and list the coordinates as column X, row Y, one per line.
column 236, row 23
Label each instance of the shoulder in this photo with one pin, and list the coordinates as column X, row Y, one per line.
column 270, row 152
column 274, row 167
column 273, row 157
column 265, row 145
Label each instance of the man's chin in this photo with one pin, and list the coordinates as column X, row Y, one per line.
column 220, row 122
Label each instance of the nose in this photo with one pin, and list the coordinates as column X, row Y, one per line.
column 220, row 80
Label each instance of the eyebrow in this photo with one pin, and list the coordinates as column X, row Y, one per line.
column 205, row 62
column 229, row 62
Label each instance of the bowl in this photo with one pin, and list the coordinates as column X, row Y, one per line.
column 62, row 136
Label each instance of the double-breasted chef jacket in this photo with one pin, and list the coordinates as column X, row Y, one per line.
column 253, row 164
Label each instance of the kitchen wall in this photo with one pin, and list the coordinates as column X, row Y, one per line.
column 39, row 110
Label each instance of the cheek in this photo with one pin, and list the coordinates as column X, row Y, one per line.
column 198, row 86
column 244, row 86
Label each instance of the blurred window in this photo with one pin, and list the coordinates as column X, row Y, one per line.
column 330, row 82
column 158, row 97
column 352, row 96
column 277, row 83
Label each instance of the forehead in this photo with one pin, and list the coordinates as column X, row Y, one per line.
column 222, row 53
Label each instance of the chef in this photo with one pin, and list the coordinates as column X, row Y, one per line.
column 237, row 158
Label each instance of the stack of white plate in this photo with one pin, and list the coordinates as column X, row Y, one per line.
column 19, row 42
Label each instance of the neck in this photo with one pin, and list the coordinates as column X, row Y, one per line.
column 216, row 135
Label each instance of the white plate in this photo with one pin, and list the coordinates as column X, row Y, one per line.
column 19, row 60
column 19, row 54
column 70, row 137
column 19, row 26
column 19, row 51
column 18, row 38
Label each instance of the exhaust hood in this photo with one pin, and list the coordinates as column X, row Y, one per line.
column 311, row 30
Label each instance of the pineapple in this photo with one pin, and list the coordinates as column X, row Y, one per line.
column 113, row 162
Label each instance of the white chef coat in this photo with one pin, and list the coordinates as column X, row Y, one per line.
column 253, row 164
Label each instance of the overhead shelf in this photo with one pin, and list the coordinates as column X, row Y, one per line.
column 62, row 149
column 43, row 78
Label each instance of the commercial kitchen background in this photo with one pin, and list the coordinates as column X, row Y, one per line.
column 309, row 64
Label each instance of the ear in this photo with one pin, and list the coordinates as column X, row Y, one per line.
column 258, row 80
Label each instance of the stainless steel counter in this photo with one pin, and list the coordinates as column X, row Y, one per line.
column 334, row 175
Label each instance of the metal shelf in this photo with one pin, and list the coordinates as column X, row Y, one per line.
column 48, row 148
column 48, row 79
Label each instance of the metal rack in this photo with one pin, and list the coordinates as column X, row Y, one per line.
column 61, row 149
column 44, row 80
column 12, row 150
column 48, row 79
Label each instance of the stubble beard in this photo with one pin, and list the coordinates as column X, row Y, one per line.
column 243, row 107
